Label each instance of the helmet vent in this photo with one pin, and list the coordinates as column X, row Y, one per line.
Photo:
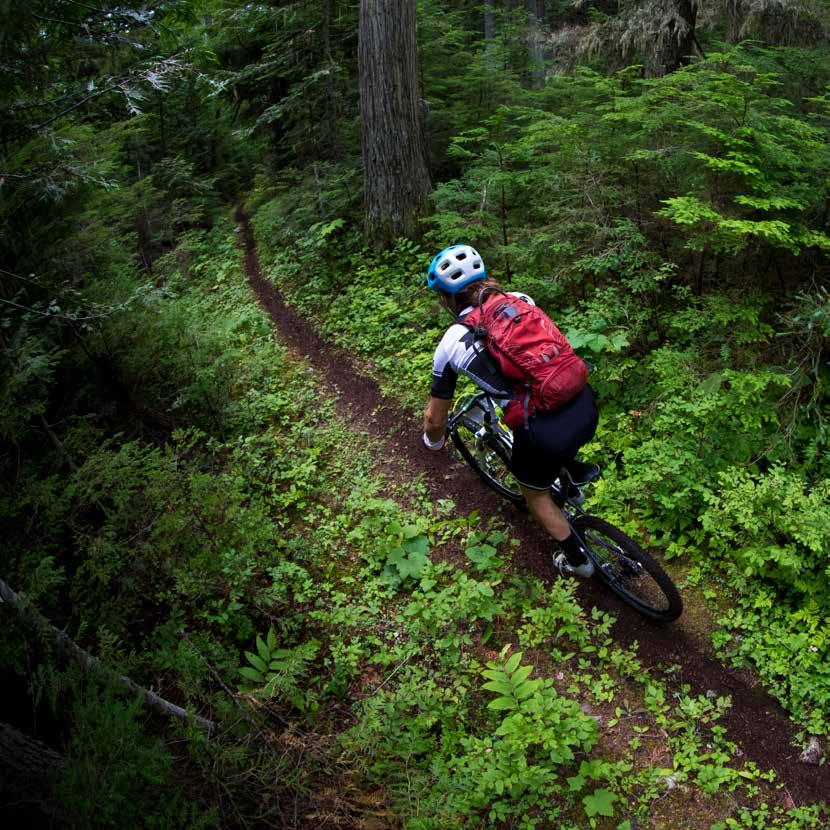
column 454, row 268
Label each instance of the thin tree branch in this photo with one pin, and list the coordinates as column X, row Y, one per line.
column 215, row 674
column 18, row 276
column 58, row 20
column 58, row 445
column 74, row 107
column 85, row 6
column 115, row 13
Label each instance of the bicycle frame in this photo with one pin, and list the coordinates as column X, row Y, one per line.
column 618, row 560
column 494, row 428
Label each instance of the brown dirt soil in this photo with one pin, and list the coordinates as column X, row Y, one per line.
column 756, row 722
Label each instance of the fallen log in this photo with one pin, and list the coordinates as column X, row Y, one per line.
column 66, row 647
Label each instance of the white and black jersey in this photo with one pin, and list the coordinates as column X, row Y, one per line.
column 460, row 352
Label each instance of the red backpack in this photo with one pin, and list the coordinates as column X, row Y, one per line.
column 530, row 350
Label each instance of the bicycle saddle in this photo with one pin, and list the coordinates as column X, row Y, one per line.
column 581, row 473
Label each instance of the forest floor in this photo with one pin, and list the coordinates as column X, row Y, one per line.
column 755, row 722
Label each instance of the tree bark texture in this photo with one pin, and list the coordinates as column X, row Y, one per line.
column 69, row 649
column 674, row 47
column 396, row 173
column 535, row 45
column 28, row 773
column 489, row 20
column 736, row 17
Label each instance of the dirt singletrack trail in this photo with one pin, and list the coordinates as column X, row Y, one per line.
column 756, row 722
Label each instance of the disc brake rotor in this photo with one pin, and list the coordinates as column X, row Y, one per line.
column 485, row 458
column 624, row 567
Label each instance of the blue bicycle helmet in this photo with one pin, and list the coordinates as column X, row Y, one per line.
column 455, row 267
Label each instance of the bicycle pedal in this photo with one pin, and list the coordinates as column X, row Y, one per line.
column 584, row 571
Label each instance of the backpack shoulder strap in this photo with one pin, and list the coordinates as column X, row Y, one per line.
column 473, row 319
column 473, row 325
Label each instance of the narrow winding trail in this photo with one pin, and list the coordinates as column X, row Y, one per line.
column 756, row 722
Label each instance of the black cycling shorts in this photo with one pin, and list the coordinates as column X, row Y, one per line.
column 553, row 439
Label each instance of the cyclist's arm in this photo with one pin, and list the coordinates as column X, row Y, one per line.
column 442, row 389
column 435, row 417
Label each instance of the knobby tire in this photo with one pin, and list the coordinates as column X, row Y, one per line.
column 590, row 528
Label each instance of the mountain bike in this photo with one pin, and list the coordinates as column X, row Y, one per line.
column 486, row 444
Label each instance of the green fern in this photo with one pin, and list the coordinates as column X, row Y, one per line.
column 276, row 672
column 510, row 681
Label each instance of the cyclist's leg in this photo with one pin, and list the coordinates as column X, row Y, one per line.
column 543, row 447
column 575, row 560
column 539, row 452
column 546, row 512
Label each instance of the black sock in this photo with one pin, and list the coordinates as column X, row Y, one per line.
column 573, row 550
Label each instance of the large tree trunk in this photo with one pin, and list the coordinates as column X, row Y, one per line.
column 735, row 18
column 535, row 53
column 489, row 20
column 397, row 181
column 489, row 34
column 675, row 45
column 28, row 773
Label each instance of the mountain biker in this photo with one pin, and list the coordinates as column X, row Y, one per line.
column 546, row 442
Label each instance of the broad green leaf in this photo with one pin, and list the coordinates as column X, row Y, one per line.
column 502, row 703
column 599, row 803
column 417, row 545
column 410, row 531
column 396, row 556
column 576, row 782
column 494, row 674
column 256, row 661
column 511, row 665
column 500, row 686
column 251, row 674
column 712, row 383
column 413, row 565
column 526, row 689
column 262, row 648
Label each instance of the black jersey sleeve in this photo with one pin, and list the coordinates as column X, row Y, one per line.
column 443, row 385
column 460, row 352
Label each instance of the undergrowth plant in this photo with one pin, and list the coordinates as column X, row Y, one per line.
column 656, row 220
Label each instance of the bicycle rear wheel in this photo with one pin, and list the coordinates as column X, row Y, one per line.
column 630, row 572
column 488, row 455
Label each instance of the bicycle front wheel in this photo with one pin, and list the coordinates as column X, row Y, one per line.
column 630, row 572
column 489, row 456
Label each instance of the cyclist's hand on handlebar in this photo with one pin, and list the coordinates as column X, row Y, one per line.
column 434, row 445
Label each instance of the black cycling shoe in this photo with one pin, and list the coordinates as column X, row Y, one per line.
column 574, row 559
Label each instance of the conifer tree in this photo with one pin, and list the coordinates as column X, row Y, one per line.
column 397, row 180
